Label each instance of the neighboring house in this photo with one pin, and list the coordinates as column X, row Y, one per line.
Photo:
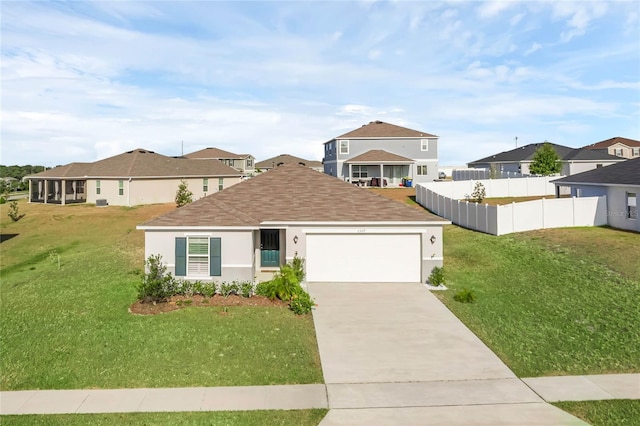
column 247, row 231
column 382, row 150
column 243, row 162
column 621, row 185
column 620, row 147
column 132, row 178
column 574, row 160
column 282, row 159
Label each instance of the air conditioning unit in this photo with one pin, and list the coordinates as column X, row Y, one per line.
column 101, row 203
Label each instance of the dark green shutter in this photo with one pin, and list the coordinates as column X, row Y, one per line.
column 215, row 257
column 181, row 257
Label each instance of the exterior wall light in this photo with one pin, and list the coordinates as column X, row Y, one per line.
column 433, row 239
column 295, row 240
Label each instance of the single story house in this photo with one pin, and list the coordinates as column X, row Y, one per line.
column 272, row 163
column 242, row 162
column 574, row 160
column 344, row 233
column 621, row 185
column 620, row 147
column 382, row 154
column 132, row 178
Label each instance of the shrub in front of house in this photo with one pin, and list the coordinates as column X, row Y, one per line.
column 157, row 283
column 285, row 286
column 465, row 296
column 437, row 278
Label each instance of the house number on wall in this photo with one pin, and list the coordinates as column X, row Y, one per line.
column 362, row 230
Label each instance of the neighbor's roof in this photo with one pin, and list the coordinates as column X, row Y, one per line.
column 379, row 156
column 214, row 153
column 286, row 159
column 607, row 143
column 291, row 193
column 626, row 172
column 526, row 152
column 380, row 129
column 140, row 163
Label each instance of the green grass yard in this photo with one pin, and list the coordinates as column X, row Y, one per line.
column 247, row 418
column 69, row 327
column 550, row 302
column 620, row 412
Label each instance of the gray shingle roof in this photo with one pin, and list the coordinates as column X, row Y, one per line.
column 291, row 193
column 379, row 156
column 526, row 152
column 286, row 159
column 380, row 129
column 624, row 173
column 140, row 163
column 214, row 153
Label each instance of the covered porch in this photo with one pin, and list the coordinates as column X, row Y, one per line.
column 57, row 191
column 379, row 168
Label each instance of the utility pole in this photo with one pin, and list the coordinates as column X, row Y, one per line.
column 182, row 149
column 516, row 141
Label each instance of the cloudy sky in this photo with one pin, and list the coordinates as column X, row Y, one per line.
column 82, row 81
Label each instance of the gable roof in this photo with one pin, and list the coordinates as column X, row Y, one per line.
column 526, row 153
column 214, row 153
column 380, row 129
column 281, row 159
column 140, row 163
column 291, row 193
column 379, row 156
column 607, row 143
column 624, row 173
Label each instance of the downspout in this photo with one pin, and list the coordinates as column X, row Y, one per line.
column 129, row 193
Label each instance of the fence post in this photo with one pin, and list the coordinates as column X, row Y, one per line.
column 543, row 213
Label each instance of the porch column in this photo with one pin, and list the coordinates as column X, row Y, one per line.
column 381, row 175
column 30, row 193
column 350, row 172
column 63, row 192
column 45, row 191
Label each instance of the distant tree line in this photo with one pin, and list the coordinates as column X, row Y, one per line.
column 17, row 172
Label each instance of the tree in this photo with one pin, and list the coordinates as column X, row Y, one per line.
column 183, row 195
column 546, row 161
column 478, row 193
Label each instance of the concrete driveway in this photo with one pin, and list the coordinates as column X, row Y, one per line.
column 393, row 354
column 376, row 333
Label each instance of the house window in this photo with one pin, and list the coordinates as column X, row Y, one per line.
column 617, row 151
column 220, row 184
column 344, row 147
column 205, row 185
column 197, row 256
column 598, row 166
column 422, row 170
column 635, row 152
column 424, row 144
column 249, row 163
column 632, row 206
column 360, row 172
column 97, row 187
column 120, row 187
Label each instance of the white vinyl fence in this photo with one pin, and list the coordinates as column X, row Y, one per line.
column 525, row 187
column 514, row 217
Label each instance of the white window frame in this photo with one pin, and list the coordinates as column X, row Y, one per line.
column 632, row 205
column 346, row 142
column 97, row 187
column 635, row 152
column 618, row 152
column 205, row 185
column 205, row 257
column 419, row 170
column 220, row 184
column 120, row 187
column 358, row 171
column 424, row 144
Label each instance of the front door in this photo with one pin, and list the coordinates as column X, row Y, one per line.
column 270, row 247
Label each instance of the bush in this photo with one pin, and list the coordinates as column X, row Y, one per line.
column 262, row 289
column 157, row 284
column 465, row 296
column 437, row 276
column 208, row 289
column 284, row 285
column 478, row 193
column 183, row 195
column 301, row 303
column 298, row 267
column 246, row 289
column 14, row 211
column 227, row 289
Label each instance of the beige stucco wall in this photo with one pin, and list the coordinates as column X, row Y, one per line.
column 573, row 168
column 617, row 207
column 150, row 191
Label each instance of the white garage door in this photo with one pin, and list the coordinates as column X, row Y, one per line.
column 363, row 258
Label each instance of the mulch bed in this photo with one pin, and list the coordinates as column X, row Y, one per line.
column 178, row 302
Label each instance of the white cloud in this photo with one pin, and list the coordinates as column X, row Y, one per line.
column 534, row 48
column 490, row 9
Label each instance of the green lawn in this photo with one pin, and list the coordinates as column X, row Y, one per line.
column 248, row 418
column 550, row 302
column 618, row 412
column 69, row 327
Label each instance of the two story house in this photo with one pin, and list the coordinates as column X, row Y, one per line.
column 382, row 154
column 242, row 162
column 620, row 147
